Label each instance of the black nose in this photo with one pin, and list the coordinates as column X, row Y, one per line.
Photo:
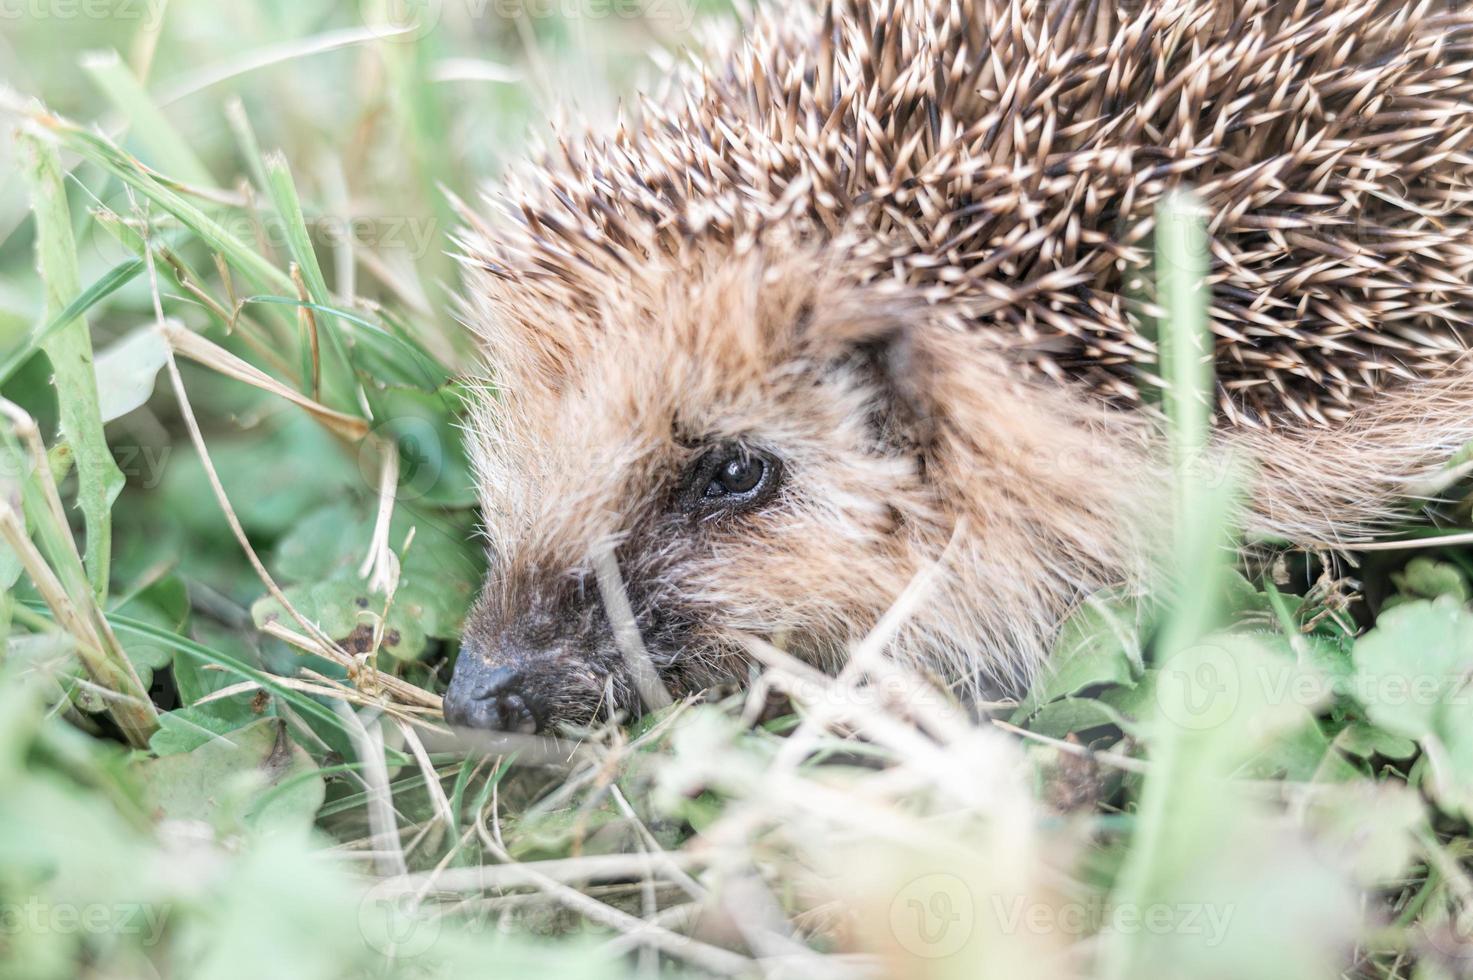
column 482, row 696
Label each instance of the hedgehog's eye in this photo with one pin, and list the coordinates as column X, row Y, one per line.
column 737, row 475
column 733, row 477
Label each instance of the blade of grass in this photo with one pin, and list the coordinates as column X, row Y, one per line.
column 126, row 700
column 146, row 42
column 189, row 344
column 69, row 349
column 63, row 582
column 396, row 353
column 1186, row 355
column 306, row 705
column 250, row 151
column 112, row 280
column 170, row 151
column 283, row 191
column 293, row 49
column 245, row 139
column 418, row 109
column 1200, row 525
column 104, row 153
column 336, row 373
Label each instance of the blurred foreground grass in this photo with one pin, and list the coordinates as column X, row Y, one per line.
column 1246, row 783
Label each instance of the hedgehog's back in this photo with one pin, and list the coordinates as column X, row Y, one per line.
column 1005, row 160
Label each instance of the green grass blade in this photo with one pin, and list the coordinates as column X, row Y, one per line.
column 99, row 653
column 399, row 354
column 283, row 191
column 245, row 139
column 112, row 280
column 419, row 111
column 337, row 376
column 105, row 154
column 1200, row 509
column 169, row 151
column 69, row 349
column 1182, row 773
column 125, row 625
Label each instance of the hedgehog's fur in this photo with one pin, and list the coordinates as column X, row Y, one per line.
column 1005, row 160
column 979, row 178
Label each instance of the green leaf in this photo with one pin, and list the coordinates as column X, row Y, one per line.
column 1427, row 578
column 1098, row 645
column 146, row 655
column 1369, row 828
column 1364, row 741
column 1135, row 705
column 186, row 729
column 1070, row 715
column 126, row 372
column 1448, row 755
column 225, row 780
column 262, row 473
column 1407, row 665
column 1241, row 596
column 191, row 678
column 1296, row 754
column 433, row 467
column 321, row 556
column 322, row 545
column 346, row 610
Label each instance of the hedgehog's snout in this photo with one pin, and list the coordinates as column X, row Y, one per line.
column 496, row 697
column 527, row 666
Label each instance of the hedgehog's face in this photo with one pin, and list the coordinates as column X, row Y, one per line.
column 736, row 448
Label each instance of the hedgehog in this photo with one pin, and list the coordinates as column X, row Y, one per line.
column 867, row 295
